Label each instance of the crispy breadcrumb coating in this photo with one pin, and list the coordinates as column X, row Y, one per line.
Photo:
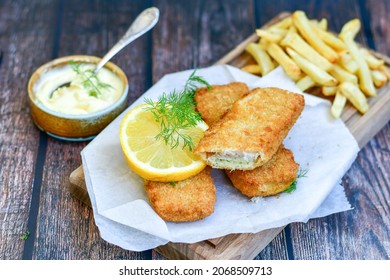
column 252, row 131
column 184, row 201
column 269, row 179
column 213, row 103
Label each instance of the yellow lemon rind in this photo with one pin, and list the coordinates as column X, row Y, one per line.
column 148, row 172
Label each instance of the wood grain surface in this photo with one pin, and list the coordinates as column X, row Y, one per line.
column 35, row 168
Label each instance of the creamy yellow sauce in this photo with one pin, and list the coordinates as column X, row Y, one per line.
column 76, row 99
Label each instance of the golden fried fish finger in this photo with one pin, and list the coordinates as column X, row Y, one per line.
column 252, row 130
column 269, row 179
column 184, row 201
column 213, row 103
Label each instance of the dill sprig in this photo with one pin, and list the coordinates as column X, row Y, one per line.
column 176, row 112
column 89, row 79
column 25, row 235
column 293, row 186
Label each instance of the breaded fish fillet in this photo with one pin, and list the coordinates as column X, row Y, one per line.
column 252, row 130
column 269, row 179
column 213, row 103
column 188, row 200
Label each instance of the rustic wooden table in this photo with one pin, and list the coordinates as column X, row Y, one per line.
column 35, row 168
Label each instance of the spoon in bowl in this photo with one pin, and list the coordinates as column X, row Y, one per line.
column 142, row 24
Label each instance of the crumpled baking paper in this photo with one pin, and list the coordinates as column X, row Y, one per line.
column 321, row 145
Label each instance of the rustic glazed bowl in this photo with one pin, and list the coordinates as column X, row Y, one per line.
column 74, row 127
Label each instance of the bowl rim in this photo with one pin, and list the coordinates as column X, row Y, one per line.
column 60, row 61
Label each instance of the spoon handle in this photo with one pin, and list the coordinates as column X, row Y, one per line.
column 142, row 24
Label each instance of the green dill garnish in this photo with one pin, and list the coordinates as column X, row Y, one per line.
column 173, row 183
column 293, row 186
column 175, row 112
column 89, row 79
column 25, row 235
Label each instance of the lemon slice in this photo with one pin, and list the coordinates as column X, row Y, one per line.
column 152, row 159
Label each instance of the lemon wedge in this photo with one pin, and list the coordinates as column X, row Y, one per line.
column 153, row 159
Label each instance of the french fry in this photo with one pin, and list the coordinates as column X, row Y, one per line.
column 317, row 74
column 350, row 29
column 347, row 35
column 338, row 105
column 269, row 36
column 355, row 96
column 278, row 31
column 379, row 78
column 295, row 42
column 351, row 66
column 330, row 39
column 342, row 75
column 263, row 43
column 283, row 24
column 305, row 83
column 292, row 30
column 305, row 28
column 312, row 56
column 314, row 22
column 329, row 91
column 252, row 68
column 323, row 24
column 347, row 62
column 261, row 57
column 365, row 79
column 289, row 66
column 372, row 61
column 384, row 70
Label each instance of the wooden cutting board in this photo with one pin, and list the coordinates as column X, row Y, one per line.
column 249, row 245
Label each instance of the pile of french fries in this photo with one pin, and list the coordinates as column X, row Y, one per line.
column 312, row 56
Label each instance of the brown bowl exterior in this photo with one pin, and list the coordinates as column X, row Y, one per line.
column 73, row 129
column 70, row 127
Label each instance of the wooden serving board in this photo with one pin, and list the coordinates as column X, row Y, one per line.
column 249, row 245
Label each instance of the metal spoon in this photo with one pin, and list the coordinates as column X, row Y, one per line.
column 142, row 24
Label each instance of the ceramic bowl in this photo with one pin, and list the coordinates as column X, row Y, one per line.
column 74, row 127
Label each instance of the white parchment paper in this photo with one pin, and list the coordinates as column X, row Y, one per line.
column 320, row 144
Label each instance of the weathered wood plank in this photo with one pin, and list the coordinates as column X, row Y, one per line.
column 66, row 228
column 199, row 32
column 19, row 138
